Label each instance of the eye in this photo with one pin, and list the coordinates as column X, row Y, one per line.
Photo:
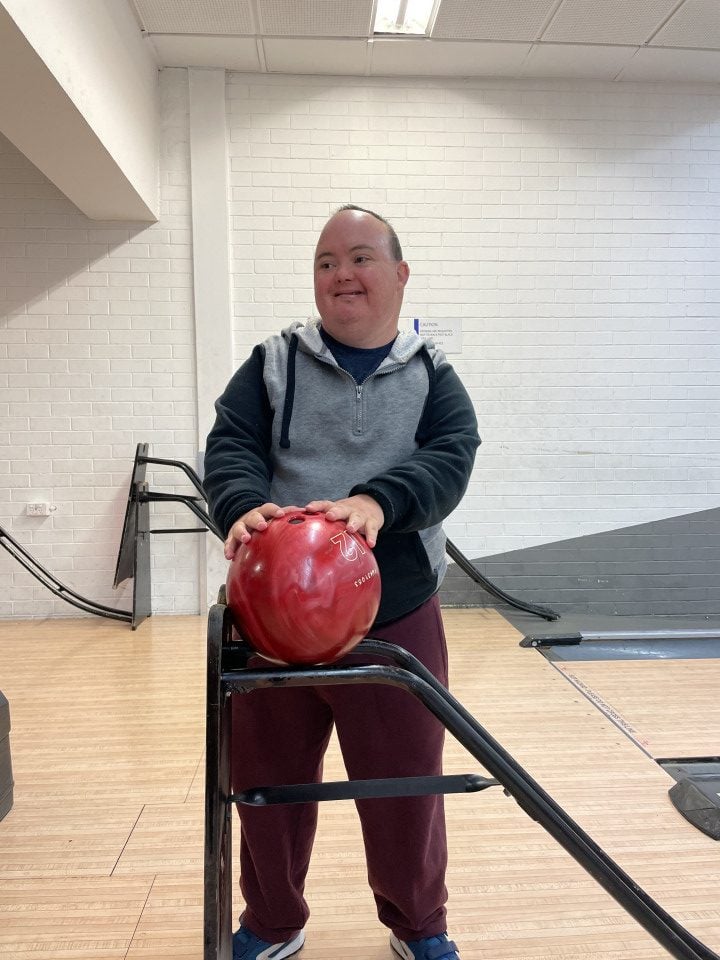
column 361, row 258
column 325, row 265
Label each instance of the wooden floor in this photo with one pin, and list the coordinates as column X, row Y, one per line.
column 670, row 709
column 101, row 855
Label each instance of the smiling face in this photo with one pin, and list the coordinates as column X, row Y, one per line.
column 358, row 283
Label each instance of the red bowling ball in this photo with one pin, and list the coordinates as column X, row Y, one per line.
column 304, row 590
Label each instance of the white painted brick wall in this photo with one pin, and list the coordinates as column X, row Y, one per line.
column 96, row 356
column 573, row 228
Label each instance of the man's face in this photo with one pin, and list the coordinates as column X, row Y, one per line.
column 358, row 285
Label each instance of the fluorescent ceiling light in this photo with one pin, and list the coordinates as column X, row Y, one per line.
column 403, row 16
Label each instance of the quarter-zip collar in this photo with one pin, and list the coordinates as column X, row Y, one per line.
column 307, row 337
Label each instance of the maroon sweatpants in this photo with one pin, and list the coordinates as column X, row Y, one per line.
column 280, row 736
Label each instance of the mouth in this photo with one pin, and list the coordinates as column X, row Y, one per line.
column 350, row 293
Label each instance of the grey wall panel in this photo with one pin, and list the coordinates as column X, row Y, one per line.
column 665, row 568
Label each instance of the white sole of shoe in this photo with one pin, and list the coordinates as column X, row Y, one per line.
column 282, row 950
column 400, row 948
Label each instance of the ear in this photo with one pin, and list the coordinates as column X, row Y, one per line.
column 403, row 272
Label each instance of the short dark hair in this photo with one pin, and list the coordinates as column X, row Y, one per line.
column 395, row 248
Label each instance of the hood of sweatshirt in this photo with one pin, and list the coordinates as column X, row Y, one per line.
column 306, row 337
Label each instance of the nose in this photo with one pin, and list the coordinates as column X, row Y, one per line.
column 344, row 271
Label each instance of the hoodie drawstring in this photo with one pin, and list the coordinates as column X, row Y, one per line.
column 430, row 368
column 289, row 393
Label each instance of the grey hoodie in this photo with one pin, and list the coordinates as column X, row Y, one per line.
column 292, row 426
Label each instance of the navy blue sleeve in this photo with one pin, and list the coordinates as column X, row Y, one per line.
column 238, row 470
column 422, row 490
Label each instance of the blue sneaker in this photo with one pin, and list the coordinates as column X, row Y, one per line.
column 430, row 948
column 246, row 946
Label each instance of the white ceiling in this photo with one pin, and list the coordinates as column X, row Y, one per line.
column 641, row 40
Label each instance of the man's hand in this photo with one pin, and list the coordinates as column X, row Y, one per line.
column 256, row 519
column 361, row 514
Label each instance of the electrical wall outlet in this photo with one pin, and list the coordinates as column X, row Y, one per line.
column 38, row 510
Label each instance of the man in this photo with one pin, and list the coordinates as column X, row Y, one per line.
column 355, row 420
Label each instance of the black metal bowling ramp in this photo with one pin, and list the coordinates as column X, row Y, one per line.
column 229, row 673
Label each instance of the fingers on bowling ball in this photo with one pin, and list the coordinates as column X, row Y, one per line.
column 304, row 590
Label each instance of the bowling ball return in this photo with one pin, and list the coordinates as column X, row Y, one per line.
column 232, row 671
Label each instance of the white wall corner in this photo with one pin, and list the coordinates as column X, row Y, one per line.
column 87, row 114
column 211, row 277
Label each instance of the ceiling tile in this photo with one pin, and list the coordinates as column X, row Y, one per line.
column 608, row 21
column 315, row 18
column 196, row 16
column 576, row 60
column 342, row 57
column 696, row 24
column 594, row 39
column 654, row 63
column 438, row 58
column 232, row 53
column 491, row 19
